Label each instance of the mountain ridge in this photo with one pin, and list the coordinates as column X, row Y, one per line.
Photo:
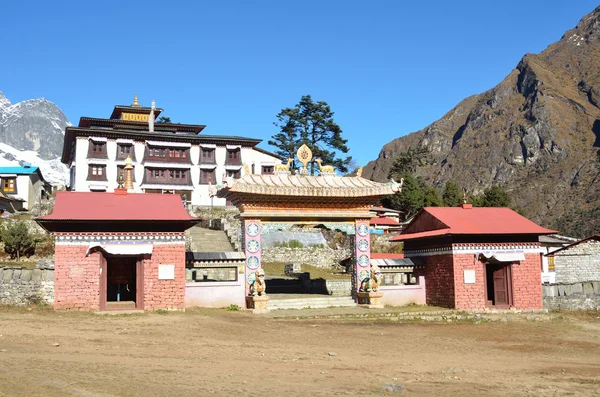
column 32, row 131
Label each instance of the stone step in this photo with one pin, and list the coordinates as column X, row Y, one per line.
column 209, row 240
column 313, row 303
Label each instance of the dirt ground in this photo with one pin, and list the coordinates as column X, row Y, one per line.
column 216, row 352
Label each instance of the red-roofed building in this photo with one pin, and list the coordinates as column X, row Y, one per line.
column 477, row 257
column 384, row 225
column 116, row 251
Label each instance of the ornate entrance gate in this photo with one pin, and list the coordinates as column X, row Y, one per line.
column 270, row 202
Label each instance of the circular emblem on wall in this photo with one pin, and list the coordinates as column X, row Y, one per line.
column 253, row 246
column 364, row 274
column 253, row 263
column 252, row 229
column 363, row 229
column 363, row 244
column 363, row 260
column 251, row 278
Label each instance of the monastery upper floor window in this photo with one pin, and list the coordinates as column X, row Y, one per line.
column 124, row 151
column 97, row 149
column 167, row 155
column 234, row 157
column 207, row 155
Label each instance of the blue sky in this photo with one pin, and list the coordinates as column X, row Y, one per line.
column 387, row 68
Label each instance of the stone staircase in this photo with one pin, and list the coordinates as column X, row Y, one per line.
column 203, row 239
column 309, row 302
column 233, row 230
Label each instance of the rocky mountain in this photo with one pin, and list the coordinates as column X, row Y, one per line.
column 32, row 131
column 537, row 134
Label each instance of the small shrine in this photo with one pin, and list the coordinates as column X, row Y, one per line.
column 279, row 201
column 119, row 251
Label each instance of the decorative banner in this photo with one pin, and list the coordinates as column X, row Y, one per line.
column 253, row 249
column 362, row 253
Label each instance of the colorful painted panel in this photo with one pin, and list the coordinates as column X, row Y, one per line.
column 362, row 252
column 253, row 249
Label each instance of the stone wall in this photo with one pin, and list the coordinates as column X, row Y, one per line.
column 20, row 286
column 318, row 257
column 579, row 263
column 334, row 287
column 572, row 296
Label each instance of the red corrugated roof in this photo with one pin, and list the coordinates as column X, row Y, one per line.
column 384, row 255
column 382, row 221
column 101, row 206
column 435, row 221
column 485, row 220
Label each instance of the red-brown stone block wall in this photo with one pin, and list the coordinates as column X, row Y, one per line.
column 164, row 294
column 469, row 296
column 439, row 276
column 76, row 278
column 527, row 284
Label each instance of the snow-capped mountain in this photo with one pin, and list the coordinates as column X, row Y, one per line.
column 32, row 131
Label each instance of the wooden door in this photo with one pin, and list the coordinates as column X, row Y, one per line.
column 501, row 292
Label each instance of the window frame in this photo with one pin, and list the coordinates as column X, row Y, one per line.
column 97, row 150
column 9, row 190
column 207, row 181
column 94, row 175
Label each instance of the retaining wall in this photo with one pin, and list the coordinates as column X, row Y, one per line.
column 21, row 286
column 572, row 296
column 319, row 257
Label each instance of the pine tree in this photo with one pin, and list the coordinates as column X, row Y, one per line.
column 17, row 240
column 451, row 195
column 411, row 199
column 495, row 197
column 311, row 123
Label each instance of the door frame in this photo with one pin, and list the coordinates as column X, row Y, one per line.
column 139, row 282
column 509, row 281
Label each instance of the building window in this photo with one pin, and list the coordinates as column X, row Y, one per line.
column 267, row 169
column 9, row 185
column 207, row 156
column 207, row 176
column 167, row 176
column 235, row 174
column 97, row 173
column 124, row 151
column 233, row 157
column 121, row 171
column 97, row 150
column 168, row 155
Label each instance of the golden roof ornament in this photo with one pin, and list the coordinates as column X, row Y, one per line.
column 136, row 102
column 304, row 155
column 465, row 196
column 359, row 172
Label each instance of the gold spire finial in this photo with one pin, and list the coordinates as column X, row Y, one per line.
column 465, row 196
column 128, row 169
column 135, row 101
